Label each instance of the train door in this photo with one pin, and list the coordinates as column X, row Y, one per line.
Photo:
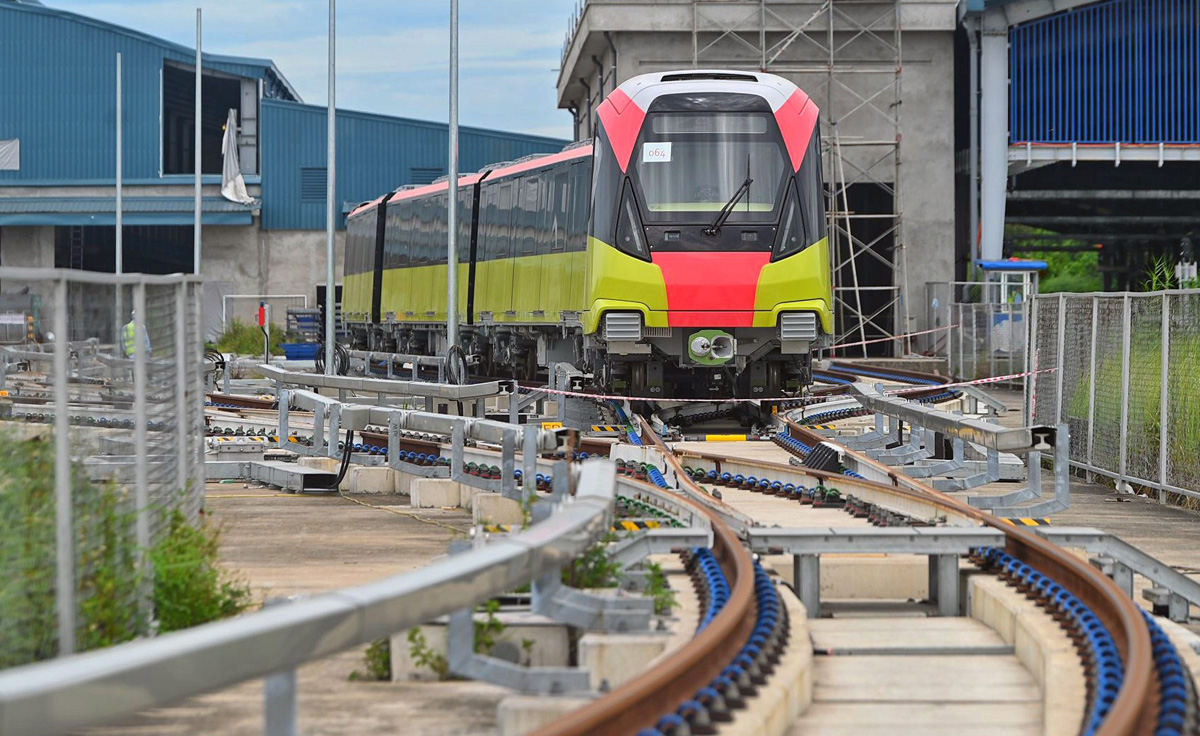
column 498, row 297
column 580, row 183
column 396, row 301
column 526, row 280
column 556, row 287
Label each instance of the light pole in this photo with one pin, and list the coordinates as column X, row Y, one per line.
column 330, row 189
column 452, row 196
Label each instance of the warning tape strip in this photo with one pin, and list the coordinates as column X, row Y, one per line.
column 890, row 339
column 976, row 382
column 906, row 389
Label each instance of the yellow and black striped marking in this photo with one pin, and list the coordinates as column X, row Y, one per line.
column 607, row 428
column 629, row 525
column 497, row 528
column 1028, row 522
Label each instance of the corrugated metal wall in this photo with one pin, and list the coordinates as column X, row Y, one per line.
column 1123, row 70
column 376, row 154
column 58, row 95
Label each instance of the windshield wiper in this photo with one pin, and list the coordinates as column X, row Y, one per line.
column 727, row 210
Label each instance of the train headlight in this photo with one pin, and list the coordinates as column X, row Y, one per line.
column 711, row 347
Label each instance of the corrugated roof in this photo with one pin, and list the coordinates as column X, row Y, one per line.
column 11, row 205
column 223, row 62
column 93, row 211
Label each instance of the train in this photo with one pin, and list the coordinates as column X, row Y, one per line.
column 681, row 252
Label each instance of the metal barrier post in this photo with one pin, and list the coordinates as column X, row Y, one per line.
column 457, row 437
column 529, row 456
column 508, row 483
column 1091, row 438
column 279, row 704
column 285, row 396
column 64, row 538
column 1163, row 397
column 1126, row 346
column 141, row 474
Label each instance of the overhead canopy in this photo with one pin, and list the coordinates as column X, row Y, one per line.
column 84, row 211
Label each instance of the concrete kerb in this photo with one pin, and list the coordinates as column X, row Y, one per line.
column 1039, row 643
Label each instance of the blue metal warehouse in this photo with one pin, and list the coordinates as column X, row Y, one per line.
column 58, row 156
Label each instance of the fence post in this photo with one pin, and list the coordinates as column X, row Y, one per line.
column 1163, row 396
column 1091, row 426
column 140, row 458
column 1062, row 342
column 64, row 538
column 1126, row 329
column 1031, row 360
column 184, row 459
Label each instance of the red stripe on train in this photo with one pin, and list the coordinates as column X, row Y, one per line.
column 622, row 120
column 720, row 285
column 797, row 118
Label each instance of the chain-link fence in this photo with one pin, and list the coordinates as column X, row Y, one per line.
column 1127, row 381
column 101, row 416
column 981, row 329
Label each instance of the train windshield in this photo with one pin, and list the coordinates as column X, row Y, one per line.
column 690, row 165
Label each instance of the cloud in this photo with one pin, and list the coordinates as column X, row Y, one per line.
column 392, row 57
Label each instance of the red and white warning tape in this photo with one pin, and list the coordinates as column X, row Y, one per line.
column 890, row 339
column 906, row 389
column 976, row 382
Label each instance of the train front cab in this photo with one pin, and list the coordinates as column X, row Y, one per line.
column 707, row 269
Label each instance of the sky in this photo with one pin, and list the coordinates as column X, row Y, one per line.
column 392, row 56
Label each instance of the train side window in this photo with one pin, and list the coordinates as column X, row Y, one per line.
column 504, row 213
column 560, row 211
column 526, row 216
column 464, row 223
column 579, row 206
column 487, row 217
column 425, row 231
column 440, row 240
column 812, row 190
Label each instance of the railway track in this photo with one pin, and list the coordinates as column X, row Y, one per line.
column 1134, row 682
column 1133, row 677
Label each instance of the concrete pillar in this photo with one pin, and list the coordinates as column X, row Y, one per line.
column 993, row 74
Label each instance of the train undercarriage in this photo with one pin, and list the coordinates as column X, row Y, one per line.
column 740, row 362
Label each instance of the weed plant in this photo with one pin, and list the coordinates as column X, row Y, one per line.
column 189, row 587
column 247, row 339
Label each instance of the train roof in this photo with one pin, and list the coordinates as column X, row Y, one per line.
column 583, row 149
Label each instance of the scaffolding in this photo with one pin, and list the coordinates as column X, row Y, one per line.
column 847, row 56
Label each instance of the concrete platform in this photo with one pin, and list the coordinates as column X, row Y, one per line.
column 908, row 687
column 897, row 636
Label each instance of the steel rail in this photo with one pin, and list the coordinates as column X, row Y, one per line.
column 1134, row 712
column 641, row 701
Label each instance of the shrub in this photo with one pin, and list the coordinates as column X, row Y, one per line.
column 190, row 587
column 247, row 339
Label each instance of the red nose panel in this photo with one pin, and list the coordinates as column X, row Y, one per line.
column 711, row 289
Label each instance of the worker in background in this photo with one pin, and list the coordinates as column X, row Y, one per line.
column 129, row 337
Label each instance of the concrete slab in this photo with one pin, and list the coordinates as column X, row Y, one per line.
column 492, row 508
column 617, row 658
column 918, row 719
column 550, row 646
column 362, row 479
column 326, row 464
column 517, row 715
column 994, row 679
column 427, row 493
column 905, row 636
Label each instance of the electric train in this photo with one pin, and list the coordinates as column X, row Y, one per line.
column 680, row 253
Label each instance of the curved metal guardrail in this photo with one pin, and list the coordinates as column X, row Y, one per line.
column 94, row 688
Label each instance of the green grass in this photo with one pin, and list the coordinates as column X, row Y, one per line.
column 189, row 586
column 1182, row 422
column 246, row 339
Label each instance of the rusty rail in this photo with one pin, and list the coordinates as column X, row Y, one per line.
column 1136, row 707
column 640, row 702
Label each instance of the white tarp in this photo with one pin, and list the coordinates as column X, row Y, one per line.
column 233, row 186
column 10, row 155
